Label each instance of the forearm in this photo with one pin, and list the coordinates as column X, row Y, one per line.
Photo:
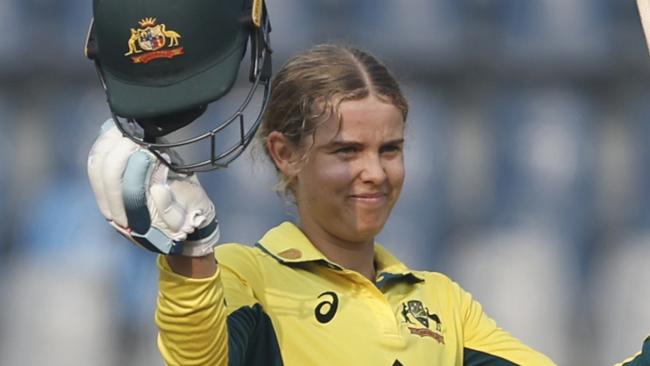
column 193, row 267
column 190, row 315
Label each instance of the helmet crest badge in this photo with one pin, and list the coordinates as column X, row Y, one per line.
column 152, row 41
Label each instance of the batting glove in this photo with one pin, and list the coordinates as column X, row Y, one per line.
column 158, row 209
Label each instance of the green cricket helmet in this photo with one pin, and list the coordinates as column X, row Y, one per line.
column 161, row 62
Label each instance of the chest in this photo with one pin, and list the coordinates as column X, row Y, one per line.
column 323, row 316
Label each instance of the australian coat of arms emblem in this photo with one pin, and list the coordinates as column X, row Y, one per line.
column 414, row 310
column 153, row 41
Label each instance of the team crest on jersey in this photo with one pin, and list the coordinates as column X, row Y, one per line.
column 418, row 315
column 153, row 41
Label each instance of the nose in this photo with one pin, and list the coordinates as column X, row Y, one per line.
column 373, row 170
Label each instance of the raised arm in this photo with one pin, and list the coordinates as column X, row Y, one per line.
column 191, row 314
column 194, row 267
column 170, row 214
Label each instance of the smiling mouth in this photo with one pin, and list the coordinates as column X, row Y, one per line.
column 369, row 197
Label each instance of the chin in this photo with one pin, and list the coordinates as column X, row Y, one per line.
column 368, row 230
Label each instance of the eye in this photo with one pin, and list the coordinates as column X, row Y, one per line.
column 392, row 148
column 346, row 150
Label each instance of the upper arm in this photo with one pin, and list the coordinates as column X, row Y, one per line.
column 191, row 319
column 218, row 320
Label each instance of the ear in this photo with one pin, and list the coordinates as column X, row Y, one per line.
column 284, row 153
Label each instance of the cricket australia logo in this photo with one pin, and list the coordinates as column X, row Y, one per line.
column 152, row 41
column 422, row 320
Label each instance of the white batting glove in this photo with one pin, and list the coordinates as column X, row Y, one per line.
column 158, row 209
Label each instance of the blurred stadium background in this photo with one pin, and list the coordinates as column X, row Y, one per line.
column 527, row 174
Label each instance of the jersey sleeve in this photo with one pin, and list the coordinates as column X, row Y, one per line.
column 484, row 343
column 191, row 318
column 252, row 337
column 219, row 320
column 640, row 359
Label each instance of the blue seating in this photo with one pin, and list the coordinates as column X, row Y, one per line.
column 562, row 34
column 545, row 175
column 8, row 117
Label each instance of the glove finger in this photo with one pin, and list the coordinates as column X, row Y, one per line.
column 189, row 191
column 197, row 204
column 108, row 136
column 201, row 217
column 112, row 176
column 169, row 215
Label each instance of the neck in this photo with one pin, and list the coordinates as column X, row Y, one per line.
column 352, row 255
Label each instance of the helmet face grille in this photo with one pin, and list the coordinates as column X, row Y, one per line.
column 217, row 158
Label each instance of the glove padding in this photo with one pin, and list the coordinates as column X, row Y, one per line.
column 161, row 210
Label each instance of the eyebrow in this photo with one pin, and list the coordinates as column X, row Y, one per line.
column 335, row 143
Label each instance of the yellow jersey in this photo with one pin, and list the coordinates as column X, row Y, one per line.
column 283, row 303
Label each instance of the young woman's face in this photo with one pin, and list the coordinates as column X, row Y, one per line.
column 354, row 170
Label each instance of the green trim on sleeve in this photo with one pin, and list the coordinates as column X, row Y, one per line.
column 477, row 358
column 251, row 338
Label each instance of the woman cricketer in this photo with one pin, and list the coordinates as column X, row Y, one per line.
column 318, row 291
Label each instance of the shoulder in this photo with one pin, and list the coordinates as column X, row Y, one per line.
column 433, row 278
column 245, row 261
column 237, row 255
column 234, row 251
column 439, row 283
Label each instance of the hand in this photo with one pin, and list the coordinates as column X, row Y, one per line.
column 161, row 210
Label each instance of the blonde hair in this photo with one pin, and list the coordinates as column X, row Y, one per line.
column 309, row 88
